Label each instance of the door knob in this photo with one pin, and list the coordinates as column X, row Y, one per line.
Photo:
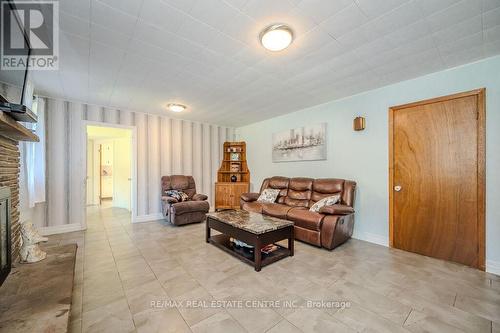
column 397, row 188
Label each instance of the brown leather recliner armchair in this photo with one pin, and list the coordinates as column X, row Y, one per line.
column 329, row 228
column 185, row 212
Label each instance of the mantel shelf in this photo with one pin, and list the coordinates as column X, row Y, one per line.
column 11, row 129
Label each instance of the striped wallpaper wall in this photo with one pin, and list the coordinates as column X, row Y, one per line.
column 164, row 146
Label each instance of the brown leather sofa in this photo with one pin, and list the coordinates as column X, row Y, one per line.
column 329, row 228
column 179, row 213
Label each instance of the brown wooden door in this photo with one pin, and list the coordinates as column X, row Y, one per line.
column 437, row 198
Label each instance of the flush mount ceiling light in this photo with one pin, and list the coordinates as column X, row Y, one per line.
column 276, row 37
column 176, row 107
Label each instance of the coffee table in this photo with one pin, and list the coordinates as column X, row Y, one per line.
column 254, row 229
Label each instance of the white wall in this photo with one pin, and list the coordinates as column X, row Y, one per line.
column 363, row 156
column 164, row 146
column 122, row 172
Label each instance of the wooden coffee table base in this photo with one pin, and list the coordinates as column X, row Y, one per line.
column 258, row 241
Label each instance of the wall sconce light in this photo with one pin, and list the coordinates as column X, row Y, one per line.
column 359, row 123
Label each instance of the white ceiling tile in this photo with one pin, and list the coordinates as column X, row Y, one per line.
column 468, row 42
column 373, row 47
column 398, row 18
column 131, row 7
column 111, row 18
column 197, row 32
column 490, row 4
column 213, row 12
column 458, row 31
column 344, row 21
column 430, row 7
column 265, row 9
column 463, row 56
column 225, row 45
column 409, row 33
column 74, row 25
column 491, row 18
column 454, row 14
column 491, row 49
column 240, row 4
column 184, row 5
column 376, row 8
column 108, row 37
column 359, row 36
column 492, row 34
column 78, row 8
column 162, row 15
column 320, row 10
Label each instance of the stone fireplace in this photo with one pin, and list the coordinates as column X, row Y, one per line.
column 11, row 132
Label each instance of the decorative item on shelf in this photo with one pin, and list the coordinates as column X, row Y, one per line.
column 233, row 177
column 235, row 167
column 235, row 156
column 359, row 123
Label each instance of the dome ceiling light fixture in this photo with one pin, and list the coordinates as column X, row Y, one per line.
column 176, row 107
column 276, row 37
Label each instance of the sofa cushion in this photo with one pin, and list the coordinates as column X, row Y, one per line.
column 275, row 209
column 280, row 183
column 190, row 206
column 299, row 192
column 269, row 195
column 306, row 219
column 253, row 206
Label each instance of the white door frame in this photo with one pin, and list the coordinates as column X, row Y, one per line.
column 133, row 169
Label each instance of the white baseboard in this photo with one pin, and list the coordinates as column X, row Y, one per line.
column 372, row 238
column 60, row 229
column 493, row 267
column 147, row 218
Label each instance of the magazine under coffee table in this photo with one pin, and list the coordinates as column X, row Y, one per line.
column 254, row 229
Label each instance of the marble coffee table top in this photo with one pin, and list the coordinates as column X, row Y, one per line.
column 253, row 222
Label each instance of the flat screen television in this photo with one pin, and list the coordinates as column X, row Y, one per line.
column 19, row 103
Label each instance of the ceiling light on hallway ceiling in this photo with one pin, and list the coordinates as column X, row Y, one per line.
column 276, row 37
column 176, row 107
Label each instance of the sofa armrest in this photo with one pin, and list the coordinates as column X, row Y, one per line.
column 169, row 200
column 249, row 197
column 337, row 210
column 199, row 197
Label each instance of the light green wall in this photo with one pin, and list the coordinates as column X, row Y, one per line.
column 363, row 156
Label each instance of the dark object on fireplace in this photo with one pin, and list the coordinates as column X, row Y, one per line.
column 5, row 235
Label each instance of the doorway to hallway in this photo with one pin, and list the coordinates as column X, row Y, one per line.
column 109, row 168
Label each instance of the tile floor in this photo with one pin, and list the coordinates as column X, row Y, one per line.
column 123, row 268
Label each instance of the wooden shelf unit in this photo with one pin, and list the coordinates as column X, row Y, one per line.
column 227, row 192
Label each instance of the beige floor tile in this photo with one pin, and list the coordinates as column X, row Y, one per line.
column 220, row 322
column 378, row 303
column 483, row 308
column 113, row 317
column 164, row 321
column 359, row 319
column 316, row 320
column 420, row 322
column 142, row 297
column 255, row 319
column 284, row 326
